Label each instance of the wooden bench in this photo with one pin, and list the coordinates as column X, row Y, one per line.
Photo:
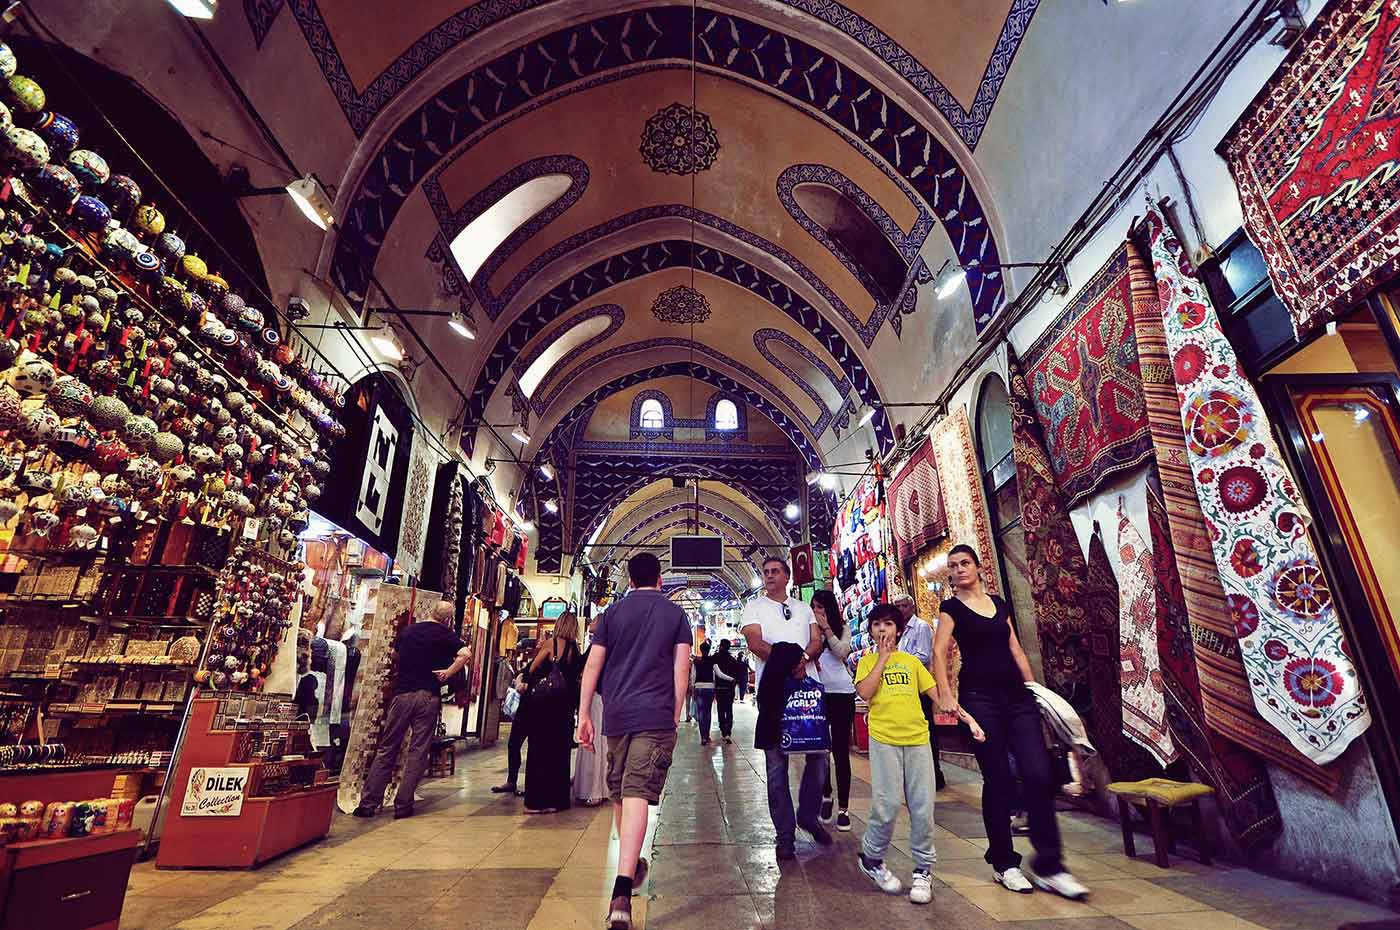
column 442, row 758
column 1159, row 796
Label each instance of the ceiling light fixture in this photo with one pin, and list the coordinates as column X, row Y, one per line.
column 951, row 275
column 460, row 326
column 310, row 196
column 867, row 416
column 792, row 511
column 547, row 471
column 524, row 526
column 828, row 482
column 195, row 9
column 520, row 435
column 551, row 505
column 387, row 344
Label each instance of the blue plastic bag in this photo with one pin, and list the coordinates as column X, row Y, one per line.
column 805, row 728
column 511, row 704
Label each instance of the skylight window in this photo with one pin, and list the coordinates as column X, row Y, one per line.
column 653, row 417
column 726, row 415
column 483, row 235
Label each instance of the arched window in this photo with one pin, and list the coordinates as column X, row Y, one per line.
column 474, row 244
column 653, row 417
column 726, row 415
column 994, row 447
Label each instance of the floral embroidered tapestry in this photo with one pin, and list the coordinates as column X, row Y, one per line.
column 1144, row 703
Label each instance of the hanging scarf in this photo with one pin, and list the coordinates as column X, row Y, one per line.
column 1054, row 562
column 1290, row 640
column 1242, row 788
column 1144, row 704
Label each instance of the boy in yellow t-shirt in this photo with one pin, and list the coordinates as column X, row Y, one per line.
column 901, row 765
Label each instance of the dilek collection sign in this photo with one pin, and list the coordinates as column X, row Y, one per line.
column 215, row 792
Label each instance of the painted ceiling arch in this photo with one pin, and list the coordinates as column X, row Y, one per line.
column 740, row 515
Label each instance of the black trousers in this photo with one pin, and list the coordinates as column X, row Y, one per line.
column 929, row 710
column 519, row 732
column 1012, row 721
column 840, row 716
column 724, row 704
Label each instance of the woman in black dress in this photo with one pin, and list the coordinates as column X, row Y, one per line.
column 992, row 688
column 548, row 782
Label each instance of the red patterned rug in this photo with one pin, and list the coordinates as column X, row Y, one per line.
column 1084, row 380
column 1317, row 164
column 916, row 504
column 963, row 501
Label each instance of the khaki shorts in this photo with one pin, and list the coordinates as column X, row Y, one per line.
column 638, row 762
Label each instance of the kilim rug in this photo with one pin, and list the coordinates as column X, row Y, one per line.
column 1125, row 760
column 1225, row 697
column 1303, row 682
column 1083, row 376
column 1317, row 165
column 960, row 480
column 1242, row 788
column 916, row 505
column 1140, row 670
column 1055, row 563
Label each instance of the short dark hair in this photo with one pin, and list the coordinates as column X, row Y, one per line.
column 644, row 569
column 705, row 648
column 888, row 612
column 783, row 562
column 964, row 547
column 724, row 645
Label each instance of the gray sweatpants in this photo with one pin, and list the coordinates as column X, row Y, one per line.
column 415, row 711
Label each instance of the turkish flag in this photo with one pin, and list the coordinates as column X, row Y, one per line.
column 802, row 564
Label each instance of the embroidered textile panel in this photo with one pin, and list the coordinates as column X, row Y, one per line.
column 963, row 501
column 1140, row 668
column 1316, row 164
column 1083, row 376
column 1243, row 791
column 1302, row 680
column 1225, row 697
column 1055, row 564
column 916, row 511
column 417, row 502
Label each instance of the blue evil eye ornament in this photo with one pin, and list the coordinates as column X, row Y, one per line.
column 60, row 132
column 91, row 213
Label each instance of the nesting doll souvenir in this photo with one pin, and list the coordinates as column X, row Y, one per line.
column 24, row 95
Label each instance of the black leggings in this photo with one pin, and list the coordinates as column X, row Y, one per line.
column 519, row 732
column 724, row 704
column 840, row 715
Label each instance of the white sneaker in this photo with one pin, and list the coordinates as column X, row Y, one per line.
column 1063, row 884
column 921, row 889
column 880, row 875
column 1013, row 879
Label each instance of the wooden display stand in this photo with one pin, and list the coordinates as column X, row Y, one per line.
column 67, row 884
column 267, row 825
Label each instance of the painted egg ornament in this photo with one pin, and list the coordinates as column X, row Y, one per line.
column 139, row 432
column 82, row 536
column 214, row 286
column 70, row 397
column 11, row 408
column 121, row 244
column 90, row 167
column 31, row 375
column 203, row 458
column 216, row 486
column 6, row 119
column 230, row 305
column 74, row 496
column 24, row 95
column 9, row 351
column 193, row 267
column 108, row 412
column 25, row 148
column 227, row 339
column 122, row 194
column 8, row 511
column 144, row 472
column 60, row 132
column 184, row 475
column 146, row 262
column 39, row 425
column 249, row 318
column 56, row 186
column 270, row 337
column 111, row 454
column 148, row 220
column 92, row 214
column 167, row 447
column 8, row 66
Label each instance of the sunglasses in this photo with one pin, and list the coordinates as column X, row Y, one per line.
column 787, row 612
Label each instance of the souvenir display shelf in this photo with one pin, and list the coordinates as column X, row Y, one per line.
column 66, row 884
column 861, row 567
column 288, row 799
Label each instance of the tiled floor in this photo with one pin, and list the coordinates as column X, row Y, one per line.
column 471, row 860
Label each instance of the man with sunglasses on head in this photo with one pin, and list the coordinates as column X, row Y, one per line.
column 770, row 619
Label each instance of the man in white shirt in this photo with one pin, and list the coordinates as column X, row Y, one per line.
column 918, row 642
column 772, row 618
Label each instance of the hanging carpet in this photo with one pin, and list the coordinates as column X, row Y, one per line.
column 1290, row 639
column 1084, row 381
column 1055, row 563
column 1140, row 669
column 916, row 511
column 961, row 483
column 1317, row 165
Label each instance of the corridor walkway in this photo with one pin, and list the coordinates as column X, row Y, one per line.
column 471, row 861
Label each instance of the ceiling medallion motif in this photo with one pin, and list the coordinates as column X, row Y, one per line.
column 681, row 304
column 679, row 140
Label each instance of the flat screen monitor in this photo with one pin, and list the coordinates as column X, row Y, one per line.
column 697, row 553
column 553, row 610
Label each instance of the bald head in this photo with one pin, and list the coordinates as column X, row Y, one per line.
column 444, row 612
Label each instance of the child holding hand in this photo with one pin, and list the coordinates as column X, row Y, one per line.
column 901, row 762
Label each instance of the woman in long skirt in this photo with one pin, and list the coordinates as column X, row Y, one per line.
column 591, row 768
column 551, row 721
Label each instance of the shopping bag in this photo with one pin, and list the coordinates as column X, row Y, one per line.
column 511, row 703
column 805, row 728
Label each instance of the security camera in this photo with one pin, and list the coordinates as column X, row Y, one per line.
column 298, row 308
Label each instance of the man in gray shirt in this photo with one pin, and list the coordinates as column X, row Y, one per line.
column 640, row 651
column 918, row 642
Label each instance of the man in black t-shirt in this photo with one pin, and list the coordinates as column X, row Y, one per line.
column 429, row 654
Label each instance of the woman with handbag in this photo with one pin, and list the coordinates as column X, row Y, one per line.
column 553, row 695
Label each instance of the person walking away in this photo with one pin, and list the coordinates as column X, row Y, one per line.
column 704, row 690
column 993, row 687
column 591, row 768
column 429, row 654
column 641, row 655
column 729, row 672
column 781, row 632
column 901, row 767
column 547, row 782
column 840, row 703
column 918, row 642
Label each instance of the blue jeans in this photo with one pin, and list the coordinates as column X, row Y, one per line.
column 809, row 795
column 900, row 775
column 704, row 701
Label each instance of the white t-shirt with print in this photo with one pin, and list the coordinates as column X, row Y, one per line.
column 767, row 615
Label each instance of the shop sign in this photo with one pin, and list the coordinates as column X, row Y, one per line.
column 215, row 792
